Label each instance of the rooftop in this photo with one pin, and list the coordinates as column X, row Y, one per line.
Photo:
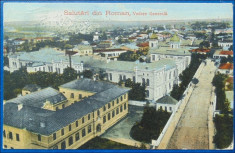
column 226, row 53
column 167, row 100
column 170, row 51
column 175, row 38
column 226, row 66
column 30, row 117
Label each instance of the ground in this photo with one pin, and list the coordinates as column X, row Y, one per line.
column 120, row 132
column 192, row 130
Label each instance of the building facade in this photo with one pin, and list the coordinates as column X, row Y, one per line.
column 64, row 119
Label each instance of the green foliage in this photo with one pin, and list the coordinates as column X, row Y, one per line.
column 204, row 45
column 228, row 59
column 137, row 91
column 6, row 61
column 87, row 74
column 221, row 102
column 186, row 76
column 231, row 48
column 150, row 126
column 15, row 82
column 224, row 130
column 102, row 143
column 130, row 56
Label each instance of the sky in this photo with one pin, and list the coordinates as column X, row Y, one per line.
column 55, row 11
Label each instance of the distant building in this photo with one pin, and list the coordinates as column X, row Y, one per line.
column 30, row 88
column 83, row 49
column 226, row 68
column 110, row 53
column 166, row 103
column 65, row 119
column 219, row 54
column 225, row 44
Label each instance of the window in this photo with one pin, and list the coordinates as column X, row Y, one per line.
column 70, row 127
column 72, row 95
column 117, row 101
column 147, row 82
column 54, row 136
column 104, row 108
column 110, row 76
column 57, row 109
column 117, row 111
column 134, row 79
column 104, row 119
column 109, row 105
column 80, row 96
column 109, row 116
column 98, row 112
column 63, row 145
column 10, row 135
column 121, row 109
column 89, row 129
column 17, row 137
column 39, row 137
column 170, row 108
column 70, row 140
column 113, row 113
column 125, row 96
column 63, row 106
column 121, row 98
column 83, row 132
column 124, row 78
column 89, row 116
column 77, row 136
column 4, row 133
column 143, row 82
column 83, row 120
column 120, row 77
column 76, row 123
column 125, row 106
column 62, row 131
column 165, row 108
column 147, row 93
column 112, row 103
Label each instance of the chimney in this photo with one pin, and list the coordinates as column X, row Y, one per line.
column 42, row 124
column 20, row 106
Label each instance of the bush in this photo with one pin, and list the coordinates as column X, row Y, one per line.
column 224, row 128
column 150, row 125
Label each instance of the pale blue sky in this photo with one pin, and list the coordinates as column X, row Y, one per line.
column 37, row 11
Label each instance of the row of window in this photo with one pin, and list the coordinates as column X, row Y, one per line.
column 109, row 104
column 74, row 138
column 10, row 135
column 113, row 113
column 79, row 96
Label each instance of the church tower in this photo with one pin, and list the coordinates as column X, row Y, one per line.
column 175, row 41
column 153, row 42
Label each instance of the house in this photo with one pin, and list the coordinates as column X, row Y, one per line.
column 30, row 88
column 200, row 51
column 219, row 54
column 225, row 44
column 65, row 119
column 166, row 103
column 226, row 68
column 83, row 49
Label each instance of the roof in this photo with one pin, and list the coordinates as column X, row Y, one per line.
column 226, row 66
column 38, row 98
column 108, row 50
column 82, row 47
column 30, row 117
column 88, row 85
column 175, row 38
column 200, row 50
column 31, row 87
column 170, row 51
column 226, row 53
column 144, row 44
column 167, row 100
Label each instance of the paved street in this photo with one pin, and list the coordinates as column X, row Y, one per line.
column 192, row 130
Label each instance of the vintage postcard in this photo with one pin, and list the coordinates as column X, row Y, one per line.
column 117, row 75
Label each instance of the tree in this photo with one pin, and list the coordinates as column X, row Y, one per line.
column 88, row 74
column 69, row 74
column 230, row 48
column 68, row 46
column 204, row 45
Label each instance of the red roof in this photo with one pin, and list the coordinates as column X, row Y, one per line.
column 145, row 44
column 226, row 66
column 201, row 50
column 226, row 53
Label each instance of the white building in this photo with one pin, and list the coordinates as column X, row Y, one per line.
column 225, row 44
column 83, row 49
column 166, row 103
column 110, row 53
